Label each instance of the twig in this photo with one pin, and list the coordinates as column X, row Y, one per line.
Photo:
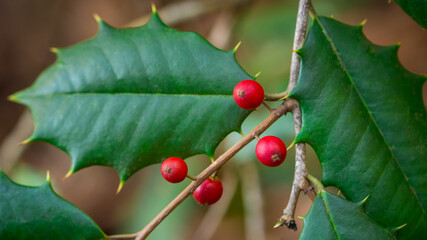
column 215, row 214
column 304, row 8
column 300, row 182
column 299, row 38
column 285, row 107
column 122, row 236
column 253, row 202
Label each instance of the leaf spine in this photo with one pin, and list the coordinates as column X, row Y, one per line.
column 54, row 50
column 399, row 227
column 11, row 98
column 299, row 52
column 237, row 47
column 278, row 224
column 241, row 132
column 48, row 177
column 122, row 182
column 153, row 8
column 68, row 174
column 257, row 75
column 283, row 98
column 363, row 201
column 97, row 18
column 25, row 141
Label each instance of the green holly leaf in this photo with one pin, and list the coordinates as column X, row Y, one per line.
column 364, row 116
column 38, row 213
column 133, row 97
column 331, row 217
column 417, row 9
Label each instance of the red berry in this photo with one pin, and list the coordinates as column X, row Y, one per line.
column 248, row 94
column 209, row 192
column 174, row 170
column 271, row 151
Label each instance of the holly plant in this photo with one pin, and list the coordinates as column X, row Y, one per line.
column 129, row 98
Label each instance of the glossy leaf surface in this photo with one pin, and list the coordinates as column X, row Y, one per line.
column 363, row 114
column 332, row 217
column 38, row 213
column 132, row 97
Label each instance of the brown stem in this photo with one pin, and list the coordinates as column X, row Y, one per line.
column 300, row 181
column 300, row 31
column 122, row 236
column 285, row 107
column 299, row 38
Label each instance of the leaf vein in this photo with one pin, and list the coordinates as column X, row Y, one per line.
column 345, row 70
column 329, row 213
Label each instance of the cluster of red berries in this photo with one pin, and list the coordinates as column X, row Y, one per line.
column 270, row 150
column 175, row 170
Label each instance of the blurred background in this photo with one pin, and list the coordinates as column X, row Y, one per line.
column 254, row 195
